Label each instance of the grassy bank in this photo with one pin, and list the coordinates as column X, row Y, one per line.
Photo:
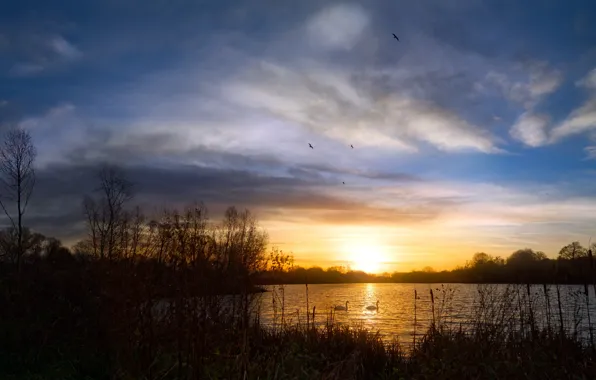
column 334, row 352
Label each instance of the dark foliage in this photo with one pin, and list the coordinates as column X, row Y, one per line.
column 522, row 267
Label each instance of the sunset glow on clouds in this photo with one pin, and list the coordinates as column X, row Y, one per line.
column 475, row 132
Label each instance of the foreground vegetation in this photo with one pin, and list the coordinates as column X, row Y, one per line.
column 89, row 319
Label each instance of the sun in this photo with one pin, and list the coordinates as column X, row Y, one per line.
column 366, row 264
column 365, row 256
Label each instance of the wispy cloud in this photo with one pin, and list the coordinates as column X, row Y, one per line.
column 590, row 152
column 328, row 101
column 589, row 81
column 527, row 84
column 64, row 48
column 580, row 120
column 46, row 53
column 544, row 80
column 59, row 130
column 531, row 129
column 337, row 27
column 583, row 118
column 534, row 129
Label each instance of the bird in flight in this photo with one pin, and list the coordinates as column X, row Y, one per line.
column 394, row 36
column 344, row 183
column 352, row 146
column 310, row 146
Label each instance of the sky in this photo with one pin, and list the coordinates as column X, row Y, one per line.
column 475, row 132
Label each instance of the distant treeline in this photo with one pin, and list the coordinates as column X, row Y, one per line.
column 573, row 266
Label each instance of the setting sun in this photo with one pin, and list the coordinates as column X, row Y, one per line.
column 367, row 262
column 367, row 255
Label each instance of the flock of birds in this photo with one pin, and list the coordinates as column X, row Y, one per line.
column 345, row 308
column 352, row 146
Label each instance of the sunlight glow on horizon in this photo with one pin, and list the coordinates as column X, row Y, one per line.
column 365, row 252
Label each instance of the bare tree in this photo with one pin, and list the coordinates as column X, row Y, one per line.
column 572, row 251
column 17, row 156
column 242, row 243
column 107, row 216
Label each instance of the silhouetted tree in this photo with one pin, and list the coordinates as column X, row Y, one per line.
column 525, row 256
column 83, row 248
column 339, row 268
column 56, row 253
column 17, row 156
column 280, row 262
column 35, row 246
column 32, row 243
column 242, row 243
column 480, row 258
column 573, row 251
column 106, row 215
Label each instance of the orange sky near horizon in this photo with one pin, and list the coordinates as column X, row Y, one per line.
column 378, row 249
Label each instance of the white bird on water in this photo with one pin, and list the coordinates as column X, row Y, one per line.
column 342, row 308
column 371, row 307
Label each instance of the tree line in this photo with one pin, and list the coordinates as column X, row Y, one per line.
column 573, row 265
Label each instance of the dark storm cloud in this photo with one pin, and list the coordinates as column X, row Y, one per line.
column 57, row 209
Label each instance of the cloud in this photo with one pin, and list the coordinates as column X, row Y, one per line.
column 57, row 131
column 337, row 27
column 42, row 53
column 590, row 152
column 583, row 118
column 579, row 120
column 327, row 100
column 533, row 130
column 543, row 79
column 309, row 169
column 526, row 84
column 589, row 81
column 299, row 199
column 64, row 136
column 530, row 129
column 64, row 48
column 52, row 119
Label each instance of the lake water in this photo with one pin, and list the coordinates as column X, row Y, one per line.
column 394, row 319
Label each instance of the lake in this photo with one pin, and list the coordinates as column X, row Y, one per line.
column 454, row 303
